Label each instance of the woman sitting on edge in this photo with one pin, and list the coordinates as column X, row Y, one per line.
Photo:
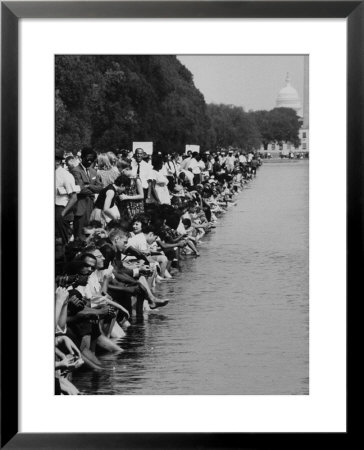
column 142, row 238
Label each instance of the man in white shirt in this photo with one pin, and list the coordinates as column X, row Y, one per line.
column 142, row 170
column 230, row 161
column 194, row 167
column 65, row 199
column 185, row 162
column 242, row 158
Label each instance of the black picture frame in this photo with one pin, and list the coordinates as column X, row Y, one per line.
column 11, row 12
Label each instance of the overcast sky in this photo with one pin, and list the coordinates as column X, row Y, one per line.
column 252, row 82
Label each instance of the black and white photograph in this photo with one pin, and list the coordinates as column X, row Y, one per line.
column 186, row 265
column 181, row 224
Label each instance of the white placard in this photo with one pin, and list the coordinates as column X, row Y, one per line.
column 192, row 148
column 146, row 146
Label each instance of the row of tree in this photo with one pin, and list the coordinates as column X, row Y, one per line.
column 108, row 102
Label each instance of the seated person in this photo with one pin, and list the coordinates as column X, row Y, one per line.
column 67, row 355
column 96, row 292
column 169, row 233
column 130, row 279
column 185, row 178
column 93, row 231
column 83, row 319
column 142, row 238
column 191, row 231
column 199, row 221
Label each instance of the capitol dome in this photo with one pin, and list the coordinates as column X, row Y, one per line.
column 288, row 97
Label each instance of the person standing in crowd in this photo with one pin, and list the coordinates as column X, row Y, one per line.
column 222, row 158
column 142, row 170
column 230, row 162
column 194, row 167
column 201, row 164
column 132, row 201
column 171, row 171
column 186, row 161
column 184, row 166
column 66, row 198
column 105, row 173
column 160, row 190
column 206, row 160
column 86, row 177
column 105, row 208
column 113, row 162
column 71, row 161
column 242, row 158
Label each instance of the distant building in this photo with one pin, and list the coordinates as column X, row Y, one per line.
column 288, row 98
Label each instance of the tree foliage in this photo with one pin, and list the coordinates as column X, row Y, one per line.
column 232, row 126
column 278, row 125
column 109, row 101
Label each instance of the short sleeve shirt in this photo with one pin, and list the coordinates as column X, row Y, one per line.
column 145, row 172
column 139, row 242
column 65, row 186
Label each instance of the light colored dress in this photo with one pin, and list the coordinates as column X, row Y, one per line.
column 161, row 183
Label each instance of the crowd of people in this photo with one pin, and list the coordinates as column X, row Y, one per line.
column 123, row 222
